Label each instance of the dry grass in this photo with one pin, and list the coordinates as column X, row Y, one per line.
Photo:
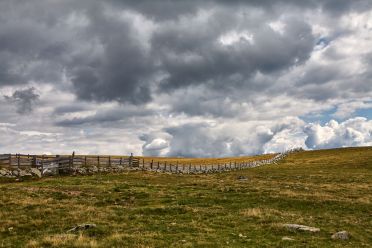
column 329, row 189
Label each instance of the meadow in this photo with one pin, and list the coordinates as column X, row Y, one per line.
column 327, row 189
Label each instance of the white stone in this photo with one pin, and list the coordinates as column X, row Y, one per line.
column 287, row 239
column 36, row 172
column 23, row 173
column 296, row 227
column 4, row 172
column 343, row 235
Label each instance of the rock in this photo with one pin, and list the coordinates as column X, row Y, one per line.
column 343, row 235
column 50, row 171
column 81, row 171
column 242, row 178
column 36, row 172
column 287, row 238
column 23, row 173
column 82, row 227
column 296, row 227
column 4, row 172
column 15, row 173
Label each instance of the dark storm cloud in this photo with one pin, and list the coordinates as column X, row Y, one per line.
column 104, row 55
column 71, row 108
column 121, row 71
column 149, row 69
column 24, row 100
column 105, row 116
column 197, row 57
column 164, row 10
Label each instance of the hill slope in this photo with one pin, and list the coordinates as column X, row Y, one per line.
column 328, row 189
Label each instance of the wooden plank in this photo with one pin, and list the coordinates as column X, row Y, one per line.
column 5, row 156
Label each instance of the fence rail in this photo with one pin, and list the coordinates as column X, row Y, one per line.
column 86, row 164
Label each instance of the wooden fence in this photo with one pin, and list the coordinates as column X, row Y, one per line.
column 22, row 161
column 72, row 163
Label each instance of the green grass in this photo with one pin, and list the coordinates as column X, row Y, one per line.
column 329, row 189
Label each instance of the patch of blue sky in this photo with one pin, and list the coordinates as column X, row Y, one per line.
column 367, row 113
column 321, row 117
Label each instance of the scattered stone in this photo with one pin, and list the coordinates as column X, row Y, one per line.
column 287, row 238
column 296, row 227
column 82, row 227
column 242, row 178
column 4, row 172
column 50, row 171
column 15, row 173
column 242, row 236
column 23, row 173
column 36, row 172
column 343, row 235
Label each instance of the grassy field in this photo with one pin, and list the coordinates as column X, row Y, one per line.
column 328, row 189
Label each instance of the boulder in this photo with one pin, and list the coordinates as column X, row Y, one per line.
column 342, row 235
column 50, row 171
column 24, row 173
column 36, row 172
column 81, row 171
column 4, row 172
column 296, row 227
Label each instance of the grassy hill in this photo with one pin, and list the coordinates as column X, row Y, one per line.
column 328, row 189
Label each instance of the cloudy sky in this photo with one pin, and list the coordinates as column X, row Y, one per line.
column 184, row 78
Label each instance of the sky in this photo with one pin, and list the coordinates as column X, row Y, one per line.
column 193, row 78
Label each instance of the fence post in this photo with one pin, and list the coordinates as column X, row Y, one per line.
column 42, row 164
column 121, row 159
column 109, row 161
column 18, row 162
column 98, row 161
column 34, row 161
column 72, row 160
column 165, row 166
column 85, row 160
column 143, row 163
column 177, row 166
column 158, row 166
column 131, row 160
